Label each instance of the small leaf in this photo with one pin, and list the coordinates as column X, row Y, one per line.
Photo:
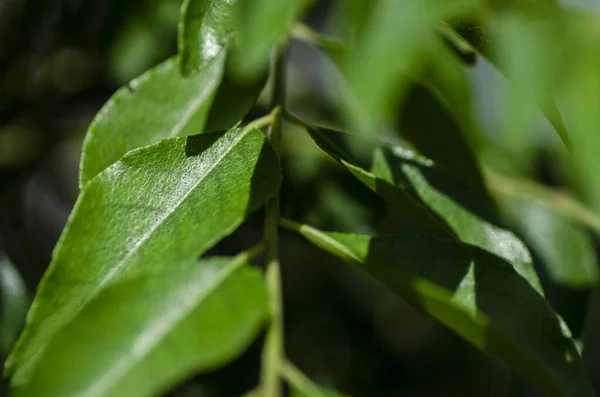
column 14, row 302
column 301, row 385
column 172, row 200
column 158, row 104
column 566, row 249
column 142, row 336
column 205, row 30
column 261, row 24
column 476, row 294
column 423, row 184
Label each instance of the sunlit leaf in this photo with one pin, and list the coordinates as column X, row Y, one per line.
column 478, row 295
column 160, row 204
column 205, row 30
column 143, row 335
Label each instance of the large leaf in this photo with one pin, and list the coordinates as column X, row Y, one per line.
column 567, row 249
column 160, row 204
column 205, row 30
column 158, row 104
column 478, row 295
column 261, row 23
column 423, row 184
column 141, row 336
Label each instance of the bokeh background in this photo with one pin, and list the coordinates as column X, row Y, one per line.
column 61, row 60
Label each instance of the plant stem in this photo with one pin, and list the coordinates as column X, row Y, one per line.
column 273, row 350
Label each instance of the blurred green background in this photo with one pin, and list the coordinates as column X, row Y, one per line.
column 61, row 60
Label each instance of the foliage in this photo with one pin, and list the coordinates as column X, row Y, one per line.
column 133, row 305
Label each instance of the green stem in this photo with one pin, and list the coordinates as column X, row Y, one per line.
column 273, row 350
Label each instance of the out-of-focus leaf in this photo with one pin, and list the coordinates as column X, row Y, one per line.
column 261, row 23
column 206, row 28
column 14, row 302
column 532, row 52
column 390, row 48
column 558, row 202
column 439, row 120
column 141, row 336
column 516, row 51
column 566, row 249
column 400, row 172
column 581, row 100
column 160, row 204
column 158, row 104
column 478, row 295
column 301, row 385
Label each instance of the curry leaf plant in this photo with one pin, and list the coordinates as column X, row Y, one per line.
column 135, row 301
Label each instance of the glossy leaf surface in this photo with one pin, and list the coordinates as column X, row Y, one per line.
column 144, row 335
column 160, row 204
column 478, row 295
column 158, row 104
column 205, row 30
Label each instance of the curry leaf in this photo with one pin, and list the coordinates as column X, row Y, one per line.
column 478, row 295
column 169, row 201
column 158, row 104
column 205, row 30
column 163, row 328
column 421, row 183
column 566, row 249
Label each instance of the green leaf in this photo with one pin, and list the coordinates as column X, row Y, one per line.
column 205, row 30
column 301, row 385
column 390, row 49
column 158, row 104
column 580, row 102
column 526, row 50
column 14, row 302
column 174, row 200
column 261, row 23
column 162, row 328
column 567, row 249
column 409, row 212
column 478, row 295
column 423, row 184
column 232, row 102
